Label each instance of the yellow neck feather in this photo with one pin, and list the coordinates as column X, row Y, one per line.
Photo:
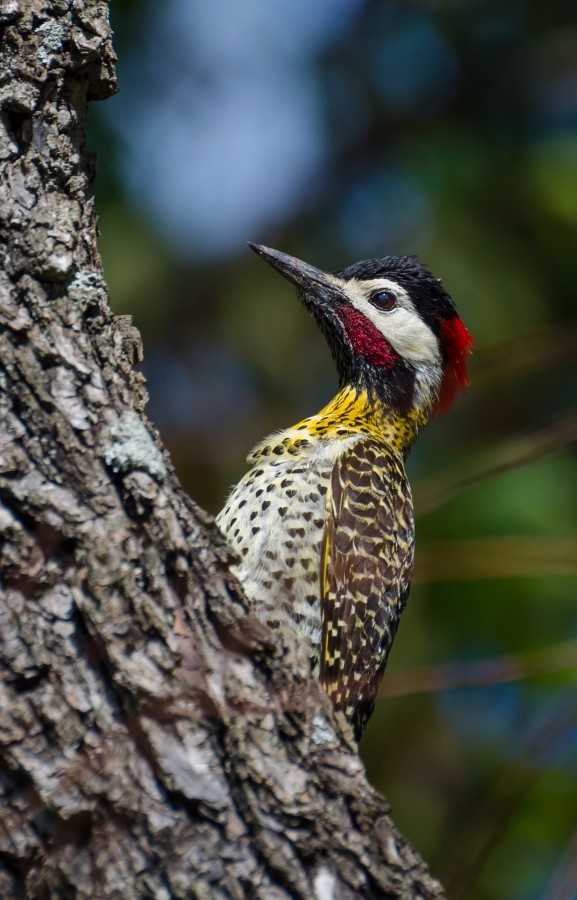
column 352, row 411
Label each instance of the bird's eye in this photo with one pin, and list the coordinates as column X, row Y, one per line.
column 383, row 300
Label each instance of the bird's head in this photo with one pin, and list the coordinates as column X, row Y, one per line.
column 391, row 326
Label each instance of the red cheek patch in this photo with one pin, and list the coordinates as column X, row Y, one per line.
column 457, row 345
column 366, row 338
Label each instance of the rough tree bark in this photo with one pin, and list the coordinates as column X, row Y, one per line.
column 155, row 740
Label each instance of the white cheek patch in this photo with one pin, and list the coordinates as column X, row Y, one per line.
column 407, row 334
column 402, row 326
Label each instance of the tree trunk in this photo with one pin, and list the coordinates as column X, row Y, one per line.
column 155, row 739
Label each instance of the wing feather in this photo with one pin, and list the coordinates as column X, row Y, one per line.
column 366, row 566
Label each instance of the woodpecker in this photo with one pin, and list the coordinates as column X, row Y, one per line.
column 323, row 520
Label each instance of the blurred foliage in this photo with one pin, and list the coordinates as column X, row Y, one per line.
column 342, row 130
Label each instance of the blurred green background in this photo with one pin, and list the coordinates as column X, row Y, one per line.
column 339, row 130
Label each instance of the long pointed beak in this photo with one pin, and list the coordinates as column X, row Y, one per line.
column 306, row 277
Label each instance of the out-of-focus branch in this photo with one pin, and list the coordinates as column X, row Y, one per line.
column 487, row 817
column 528, row 353
column 522, row 450
column 496, row 557
column 481, row 672
column 564, row 880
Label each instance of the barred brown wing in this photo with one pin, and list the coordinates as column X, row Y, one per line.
column 366, row 566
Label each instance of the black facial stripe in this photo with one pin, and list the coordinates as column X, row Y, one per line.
column 397, row 388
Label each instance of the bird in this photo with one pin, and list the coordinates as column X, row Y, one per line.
column 322, row 523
